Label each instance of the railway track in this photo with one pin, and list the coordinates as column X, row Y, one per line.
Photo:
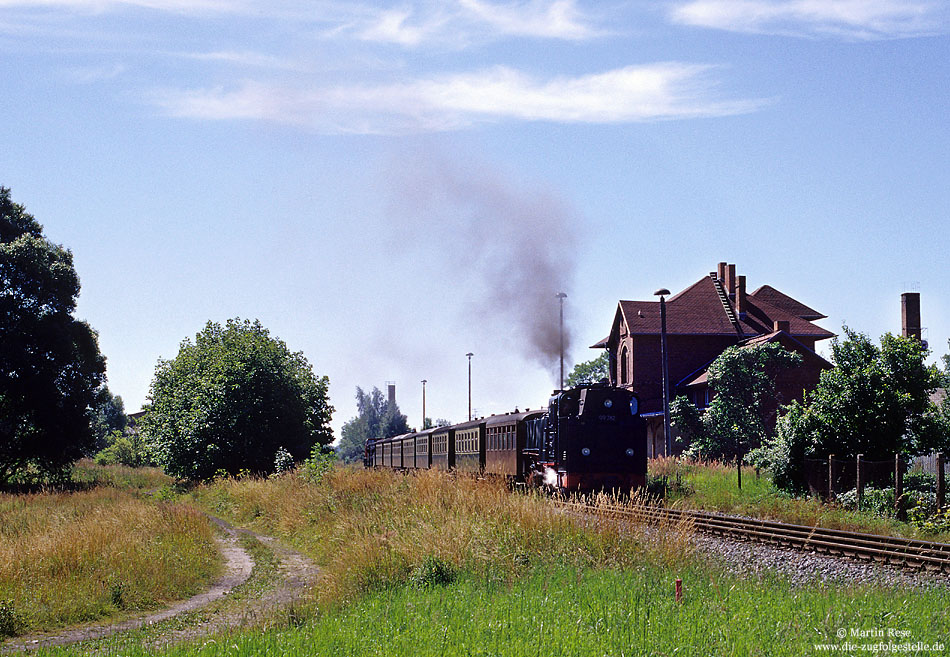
column 890, row 550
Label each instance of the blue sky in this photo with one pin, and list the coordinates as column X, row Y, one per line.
column 388, row 186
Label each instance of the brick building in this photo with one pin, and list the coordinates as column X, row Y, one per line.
column 703, row 320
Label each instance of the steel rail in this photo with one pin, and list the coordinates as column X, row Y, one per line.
column 893, row 550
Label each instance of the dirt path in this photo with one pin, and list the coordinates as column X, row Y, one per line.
column 296, row 574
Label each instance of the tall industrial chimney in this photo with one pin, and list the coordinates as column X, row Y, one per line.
column 391, row 386
column 910, row 315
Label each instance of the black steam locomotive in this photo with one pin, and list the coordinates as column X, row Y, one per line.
column 589, row 438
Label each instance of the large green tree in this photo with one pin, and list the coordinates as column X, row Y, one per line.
column 742, row 411
column 50, row 365
column 230, row 400
column 589, row 371
column 875, row 401
column 376, row 418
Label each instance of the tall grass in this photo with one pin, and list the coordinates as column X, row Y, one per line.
column 429, row 564
column 88, row 473
column 72, row 557
column 554, row 611
column 373, row 530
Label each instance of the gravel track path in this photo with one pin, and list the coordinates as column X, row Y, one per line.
column 803, row 567
column 296, row 574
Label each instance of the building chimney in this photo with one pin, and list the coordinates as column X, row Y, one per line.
column 910, row 315
column 721, row 271
column 781, row 325
column 729, row 282
column 391, row 385
column 740, row 294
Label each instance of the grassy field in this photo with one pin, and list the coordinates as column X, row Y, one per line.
column 713, row 486
column 370, row 530
column 99, row 552
column 429, row 564
column 149, row 481
column 558, row 611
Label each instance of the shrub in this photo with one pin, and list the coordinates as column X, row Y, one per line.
column 879, row 501
column 127, row 450
column 283, row 461
column 931, row 522
column 433, row 571
column 11, row 623
column 319, row 464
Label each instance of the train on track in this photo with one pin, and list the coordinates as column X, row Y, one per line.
column 589, row 438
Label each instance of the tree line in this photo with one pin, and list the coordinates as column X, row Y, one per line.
column 875, row 400
column 238, row 399
column 234, row 399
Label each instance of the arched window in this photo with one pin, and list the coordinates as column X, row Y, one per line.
column 623, row 366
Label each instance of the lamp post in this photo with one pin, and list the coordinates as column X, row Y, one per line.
column 424, row 427
column 561, row 296
column 662, row 293
column 470, row 354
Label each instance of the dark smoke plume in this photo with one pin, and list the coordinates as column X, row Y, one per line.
column 513, row 241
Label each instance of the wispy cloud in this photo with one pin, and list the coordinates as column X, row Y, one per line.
column 409, row 23
column 447, row 102
column 242, row 59
column 849, row 19
column 176, row 6
column 462, row 22
column 560, row 19
column 401, row 26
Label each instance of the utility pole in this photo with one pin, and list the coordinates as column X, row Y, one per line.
column 470, row 354
column 561, row 296
column 662, row 293
column 423, row 426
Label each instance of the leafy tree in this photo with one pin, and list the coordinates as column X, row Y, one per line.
column 875, row 401
column 741, row 412
column 429, row 423
column 590, row 371
column 108, row 416
column 50, row 365
column 376, row 419
column 231, row 400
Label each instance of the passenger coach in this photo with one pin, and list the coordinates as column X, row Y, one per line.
column 589, row 438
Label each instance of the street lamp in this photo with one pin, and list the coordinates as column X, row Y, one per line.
column 470, row 354
column 561, row 297
column 662, row 293
column 424, row 427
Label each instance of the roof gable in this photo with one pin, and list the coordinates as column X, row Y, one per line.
column 760, row 317
column 780, row 300
column 696, row 310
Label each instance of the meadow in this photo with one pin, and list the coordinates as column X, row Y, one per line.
column 433, row 564
column 102, row 550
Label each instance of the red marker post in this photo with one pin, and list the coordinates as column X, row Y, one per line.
column 679, row 590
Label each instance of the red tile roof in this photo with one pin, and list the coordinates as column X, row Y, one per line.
column 698, row 310
column 770, row 295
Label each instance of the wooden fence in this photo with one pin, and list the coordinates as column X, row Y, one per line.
column 828, row 477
